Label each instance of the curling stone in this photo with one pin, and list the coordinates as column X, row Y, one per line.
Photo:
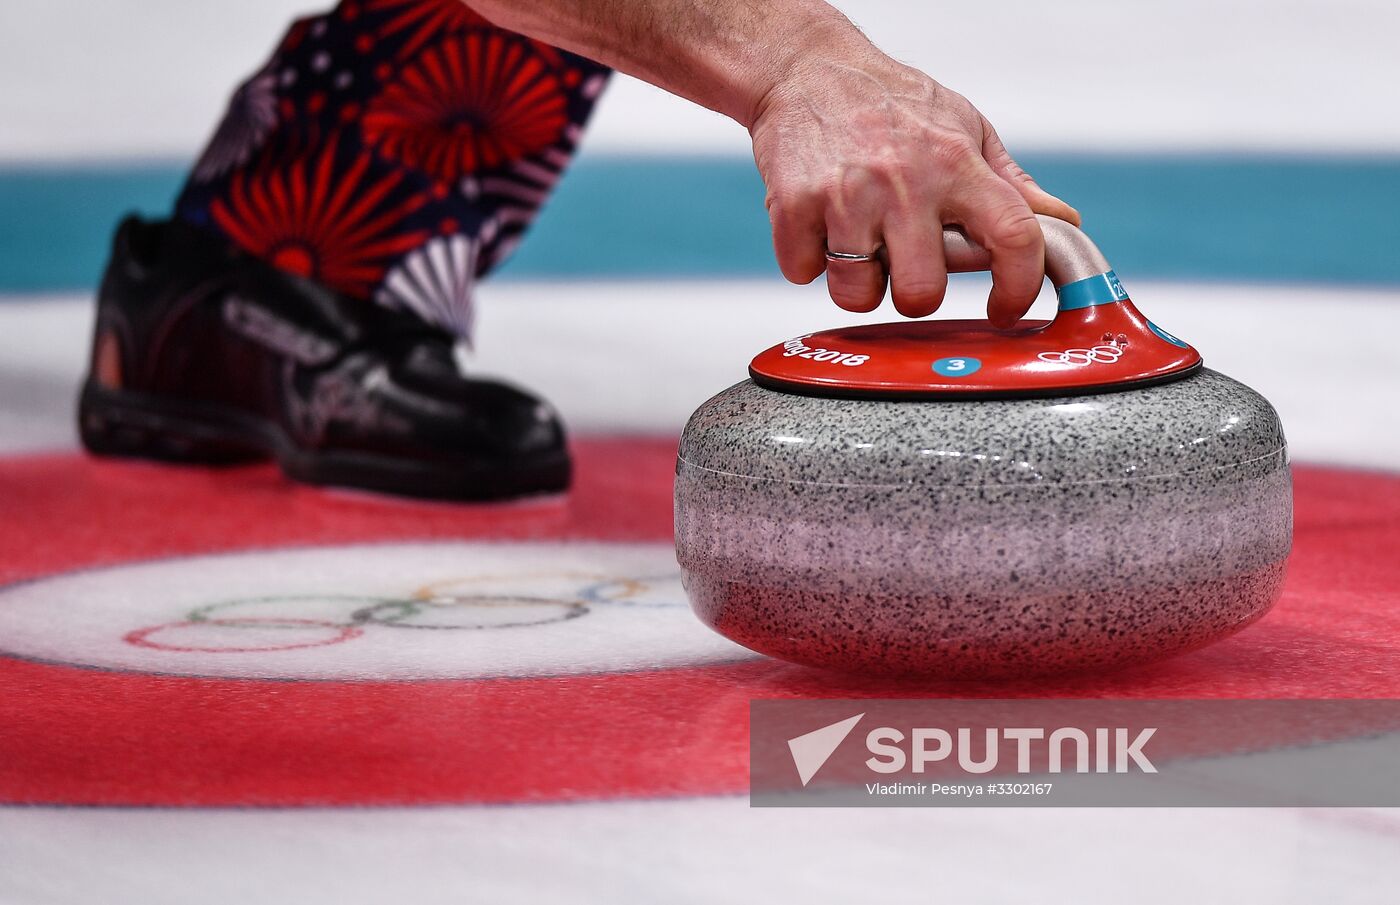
column 948, row 499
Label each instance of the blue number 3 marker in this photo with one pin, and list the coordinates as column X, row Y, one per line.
column 957, row 367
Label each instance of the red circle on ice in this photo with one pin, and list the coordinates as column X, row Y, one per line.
column 80, row 735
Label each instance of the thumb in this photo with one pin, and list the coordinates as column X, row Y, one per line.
column 1040, row 201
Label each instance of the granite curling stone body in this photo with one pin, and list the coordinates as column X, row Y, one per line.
column 963, row 502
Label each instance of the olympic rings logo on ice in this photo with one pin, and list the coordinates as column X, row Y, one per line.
column 294, row 622
column 1102, row 354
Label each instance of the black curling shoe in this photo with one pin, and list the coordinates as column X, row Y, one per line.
column 204, row 354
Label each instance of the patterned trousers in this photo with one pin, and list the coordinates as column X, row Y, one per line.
column 394, row 151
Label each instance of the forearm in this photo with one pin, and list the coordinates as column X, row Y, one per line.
column 859, row 153
column 727, row 55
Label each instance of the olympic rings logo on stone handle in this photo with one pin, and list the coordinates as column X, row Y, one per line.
column 1103, row 354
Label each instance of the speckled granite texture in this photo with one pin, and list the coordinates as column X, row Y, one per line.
column 989, row 538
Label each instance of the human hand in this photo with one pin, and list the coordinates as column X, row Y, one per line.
column 860, row 152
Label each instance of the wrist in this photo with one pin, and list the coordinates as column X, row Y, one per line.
column 823, row 37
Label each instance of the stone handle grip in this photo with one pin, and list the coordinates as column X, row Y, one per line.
column 1070, row 255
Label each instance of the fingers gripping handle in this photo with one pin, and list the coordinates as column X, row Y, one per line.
column 1099, row 341
column 1076, row 268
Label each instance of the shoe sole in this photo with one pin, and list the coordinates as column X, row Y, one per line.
column 135, row 425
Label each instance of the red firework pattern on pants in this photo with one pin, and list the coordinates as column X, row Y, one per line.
column 475, row 102
column 330, row 223
column 419, row 21
column 392, row 139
